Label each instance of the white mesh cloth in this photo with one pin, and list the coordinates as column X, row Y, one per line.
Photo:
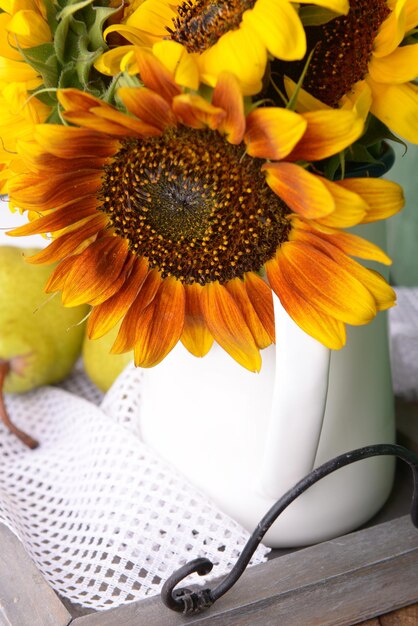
column 403, row 320
column 104, row 519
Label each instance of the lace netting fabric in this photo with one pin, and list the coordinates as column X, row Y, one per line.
column 104, row 519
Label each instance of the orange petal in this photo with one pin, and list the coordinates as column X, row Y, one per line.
column 328, row 131
column 325, row 284
column 127, row 335
column 227, row 95
column 302, row 191
column 262, row 300
column 155, row 75
column 196, row 112
column 272, row 133
column 317, row 324
column 37, row 193
column 88, row 111
column 160, row 325
column 56, row 280
column 96, row 268
column 67, row 142
column 69, row 242
column 107, row 314
column 383, row 294
column 148, row 105
column 61, row 218
column 196, row 337
column 228, row 326
column 238, row 291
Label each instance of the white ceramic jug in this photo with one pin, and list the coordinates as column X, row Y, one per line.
column 244, row 438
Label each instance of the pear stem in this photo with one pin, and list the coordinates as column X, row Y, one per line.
column 4, row 416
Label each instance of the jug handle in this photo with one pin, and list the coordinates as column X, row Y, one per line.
column 298, row 407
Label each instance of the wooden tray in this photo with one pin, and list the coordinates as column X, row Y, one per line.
column 336, row 583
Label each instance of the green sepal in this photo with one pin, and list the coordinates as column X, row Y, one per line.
column 95, row 32
column 43, row 60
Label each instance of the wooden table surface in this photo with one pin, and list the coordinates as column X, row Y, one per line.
column 403, row 617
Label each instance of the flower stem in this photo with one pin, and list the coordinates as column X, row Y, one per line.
column 4, row 416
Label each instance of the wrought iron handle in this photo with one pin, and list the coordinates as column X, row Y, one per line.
column 190, row 602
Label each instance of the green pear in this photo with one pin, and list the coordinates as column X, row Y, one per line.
column 40, row 339
column 100, row 365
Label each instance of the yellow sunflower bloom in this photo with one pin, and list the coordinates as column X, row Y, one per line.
column 207, row 37
column 367, row 56
column 179, row 219
column 23, row 25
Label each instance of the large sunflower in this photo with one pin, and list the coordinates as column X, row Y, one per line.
column 367, row 55
column 205, row 37
column 180, row 216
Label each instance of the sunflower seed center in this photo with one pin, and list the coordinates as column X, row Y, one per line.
column 343, row 50
column 195, row 206
column 200, row 23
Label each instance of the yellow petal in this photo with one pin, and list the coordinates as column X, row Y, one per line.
column 359, row 99
column 152, row 18
column 337, row 6
column 350, row 207
column 384, row 197
column 358, row 247
column 397, row 107
column 29, row 28
column 392, row 30
column 111, row 62
column 179, row 63
column 134, row 35
column 400, row 66
column 272, row 133
column 278, row 25
column 240, row 52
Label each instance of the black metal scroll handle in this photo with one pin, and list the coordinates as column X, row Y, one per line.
column 189, row 602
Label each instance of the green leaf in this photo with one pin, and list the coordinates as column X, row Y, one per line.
column 376, row 132
column 316, row 16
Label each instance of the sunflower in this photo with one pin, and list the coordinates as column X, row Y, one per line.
column 23, row 25
column 367, row 55
column 179, row 218
column 205, row 37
